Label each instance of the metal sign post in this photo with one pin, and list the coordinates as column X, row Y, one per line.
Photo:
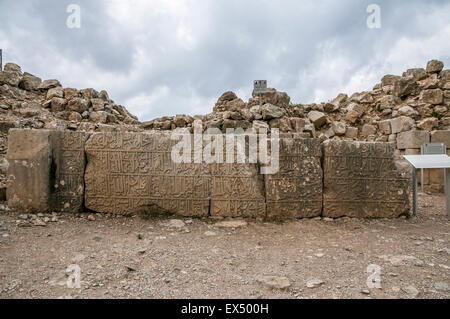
column 1, row 60
column 260, row 87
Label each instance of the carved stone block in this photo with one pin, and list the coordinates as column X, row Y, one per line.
column 361, row 179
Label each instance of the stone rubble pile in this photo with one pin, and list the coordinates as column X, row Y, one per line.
column 407, row 110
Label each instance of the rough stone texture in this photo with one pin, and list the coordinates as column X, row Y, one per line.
column 428, row 124
column 412, row 139
column 434, row 66
column 133, row 172
column 441, row 136
column 67, row 171
column 29, row 82
column 46, row 170
column 434, row 96
column 237, row 190
column 361, row 180
column 317, row 118
column 296, row 190
column 385, row 127
column 29, row 157
column 401, row 124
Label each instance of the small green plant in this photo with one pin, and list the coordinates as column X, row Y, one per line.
column 437, row 115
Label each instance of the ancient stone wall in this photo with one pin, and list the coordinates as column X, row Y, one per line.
column 127, row 173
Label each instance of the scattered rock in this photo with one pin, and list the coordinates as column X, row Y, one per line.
column 275, row 282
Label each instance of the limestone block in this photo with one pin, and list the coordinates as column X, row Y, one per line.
column 361, row 179
column 46, row 170
column 412, row 139
column 385, row 127
column 295, row 191
column 402, row 124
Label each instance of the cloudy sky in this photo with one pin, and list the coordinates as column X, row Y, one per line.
column 178, row 56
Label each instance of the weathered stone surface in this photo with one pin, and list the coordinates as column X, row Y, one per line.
column 361, row 180
column 352, row 132
column 46, row 170
column 12, row 67
column 385, row 127
column 389, row 79
column 407, row 111
column 317, row 118
column 388, row 102
column 434, row 96
column 133, row 172
column 29, row 157
column 67, row 171
column 412, row 139
column 11, row 78
column 402, row 124
column 78, row 105
column 270, row 111
column 367, row 130
column 404, row 87
column 48, row 84
column 434, row 66
column 295, row 191
column 339, row 128
column 428, row 124
column 441, row 136
column 29, row 82
column 237, row 189
column 417, row 74
column 55, row 92
column 354, row 112
column 58, row 104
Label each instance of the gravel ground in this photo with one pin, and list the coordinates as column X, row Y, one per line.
column 136, row 257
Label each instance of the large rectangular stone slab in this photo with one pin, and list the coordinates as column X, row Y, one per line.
column 46, row 170
column 29, row 157
column 361, row 179
column 134, row 172
column 412, row 139
column 295, row 191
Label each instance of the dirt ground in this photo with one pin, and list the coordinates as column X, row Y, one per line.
column 134, row 257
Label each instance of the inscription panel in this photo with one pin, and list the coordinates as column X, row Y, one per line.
column 129, row 172
column 296, row 190
column 361, row 180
